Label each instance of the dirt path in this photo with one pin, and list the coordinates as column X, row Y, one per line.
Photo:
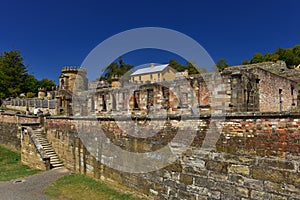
column 31, row 187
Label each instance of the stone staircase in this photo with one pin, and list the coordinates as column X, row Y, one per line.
column 48, row 150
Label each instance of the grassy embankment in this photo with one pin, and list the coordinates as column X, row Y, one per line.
column 10, row 165
column 77, row 186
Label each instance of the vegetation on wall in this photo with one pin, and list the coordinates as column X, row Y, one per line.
column 291, row 56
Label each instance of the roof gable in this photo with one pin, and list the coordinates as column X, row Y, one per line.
column 149, row 70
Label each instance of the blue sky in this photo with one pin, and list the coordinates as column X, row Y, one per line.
column 53, row 34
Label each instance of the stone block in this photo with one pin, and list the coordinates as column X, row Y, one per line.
column 268, row 174
column 239, row 169
column 186, row 179
column 217, row 166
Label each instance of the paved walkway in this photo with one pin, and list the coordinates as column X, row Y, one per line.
column 31, row 187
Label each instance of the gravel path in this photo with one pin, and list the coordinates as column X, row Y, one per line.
column 31, row 187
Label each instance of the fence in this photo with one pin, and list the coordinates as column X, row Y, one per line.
column 23, row 104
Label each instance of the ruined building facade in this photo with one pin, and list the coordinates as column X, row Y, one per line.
column 262, row 87
column 245, row 88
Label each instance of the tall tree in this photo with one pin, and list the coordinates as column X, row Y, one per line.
column 13, row 73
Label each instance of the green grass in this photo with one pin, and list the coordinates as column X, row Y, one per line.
column 11, row 167
column 77, row 186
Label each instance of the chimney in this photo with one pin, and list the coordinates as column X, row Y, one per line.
column 152, row 65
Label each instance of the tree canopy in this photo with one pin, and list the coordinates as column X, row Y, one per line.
column 221, row 64
column 190, row 66
column 119, row 68
column 13, row 74
column 15, row 79
column 291, row 56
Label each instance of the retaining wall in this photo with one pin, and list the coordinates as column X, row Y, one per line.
column 256, row 156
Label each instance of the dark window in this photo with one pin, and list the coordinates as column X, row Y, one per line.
column 136, row 99
column 150, row 97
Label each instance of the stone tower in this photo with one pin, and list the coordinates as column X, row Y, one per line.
column 73, row 77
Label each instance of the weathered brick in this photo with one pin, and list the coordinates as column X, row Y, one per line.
column 241, row 191
column 197, row 190
column 268, row 174
column 239, row 169
column 201, row 181
column 277, row 164
column 260, row 195
column 186, row 179
column 293, row 178
column 217, row 166
column 278, row 197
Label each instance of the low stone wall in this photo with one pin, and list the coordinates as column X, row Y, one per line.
column 255, row 157
column 9, row 128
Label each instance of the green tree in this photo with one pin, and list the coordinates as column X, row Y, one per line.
column 177, row 66
column 31, row 84
column 2, row 86
column 46, row 84
column 246, row 62
column 257, row 58
column 268, row 57
column 222, row 64
column 13, row 73
column 118, row 68
column 192, row 67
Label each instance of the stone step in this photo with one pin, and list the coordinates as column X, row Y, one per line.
column 56, row 162
column 57, row 165
column 51, row 154
column 48, row 149
column 45, row 145
column 42, row 140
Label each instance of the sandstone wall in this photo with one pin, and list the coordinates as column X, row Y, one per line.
column 271, row 85
column 256, row 157
column 9, row 128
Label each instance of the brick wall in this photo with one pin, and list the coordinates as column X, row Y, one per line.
column 256, row 157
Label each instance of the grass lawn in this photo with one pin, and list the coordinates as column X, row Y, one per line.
column 77, row 186
column 11, row 167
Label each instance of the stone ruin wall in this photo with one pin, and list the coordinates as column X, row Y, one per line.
column 256, row 157
column 270, row 84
